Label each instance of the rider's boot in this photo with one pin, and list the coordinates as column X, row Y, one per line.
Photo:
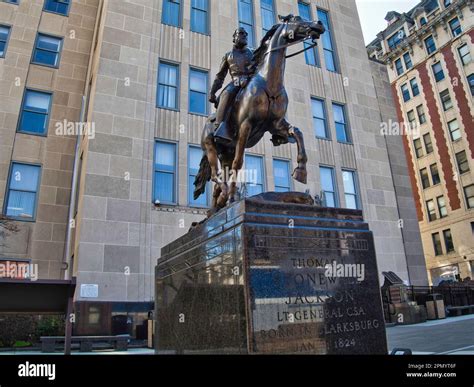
column 223, row 133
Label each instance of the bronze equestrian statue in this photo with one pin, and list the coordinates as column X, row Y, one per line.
column 260, row 106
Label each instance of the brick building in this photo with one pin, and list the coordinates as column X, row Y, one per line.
column 428, row 51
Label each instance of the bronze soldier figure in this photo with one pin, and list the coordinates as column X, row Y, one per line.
column 239, row 63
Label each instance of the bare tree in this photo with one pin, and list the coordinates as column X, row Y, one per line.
column 6, row 228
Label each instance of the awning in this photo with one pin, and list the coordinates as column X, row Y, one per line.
column 41, row 296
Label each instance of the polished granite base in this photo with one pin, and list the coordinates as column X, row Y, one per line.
column 265, row 277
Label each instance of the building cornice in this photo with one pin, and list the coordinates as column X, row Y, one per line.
column 417, row 37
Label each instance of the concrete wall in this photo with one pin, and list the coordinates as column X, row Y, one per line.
column 401, row 179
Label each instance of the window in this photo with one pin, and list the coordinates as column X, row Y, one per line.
column 431, row 5
column 428, row 143
column 281, row 172
column 438, row 72
column 168, row 82
column 394, row 40
column 465, row 54
column 463, row 164
column 446, row 100
column 448, row 241
column 199, row 16
column 268, row 15
column 328, row 187
column 35, row 111
column 407, row 59
column 350, row 189
column 4, row 35
column 443, row 212
column 425, row 179
column 246, row 19
column 469, row 193
column 254, row 175
column 328, row 46
column 437, row 244
column 198, row 91
column 431, row 210
column 454, row 130
column 418, row 148
column 23, row 190
column 47, row 50
column 319, row 118
column 341, row 125
column 470, row 80
column 195, row 156
column 435, row 174
column 430, row 44
column 172, row 12
column 423, row 21
column 164, row 191
column 411, row 119
column 405, row 92
column 57, row 6
column 312, row 56
column 455, row 27
column 414, row 87
column 399, row 66
column 447, row 3
column 421, row 114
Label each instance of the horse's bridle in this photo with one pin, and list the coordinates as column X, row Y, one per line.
column 292, row 44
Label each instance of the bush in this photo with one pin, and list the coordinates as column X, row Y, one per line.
column 50, row 326
column 22, row 330
column 15, row 328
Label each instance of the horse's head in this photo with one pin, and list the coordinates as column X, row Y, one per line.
column 298, row 29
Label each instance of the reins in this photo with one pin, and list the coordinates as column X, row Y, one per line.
column 292, row 44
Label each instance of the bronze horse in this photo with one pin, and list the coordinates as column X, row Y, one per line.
column 259, row 107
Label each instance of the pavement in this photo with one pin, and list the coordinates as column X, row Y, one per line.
column 450, row 336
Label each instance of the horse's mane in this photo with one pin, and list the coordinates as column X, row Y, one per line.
column 259, row 53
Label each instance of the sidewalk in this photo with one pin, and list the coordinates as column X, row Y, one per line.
column 132, row 351
column 453, row 336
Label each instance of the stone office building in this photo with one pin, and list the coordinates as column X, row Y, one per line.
column 44, row 59
column 145, row 98
column 428, row 53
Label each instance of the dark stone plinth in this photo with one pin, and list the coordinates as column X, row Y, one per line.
column 253, row 279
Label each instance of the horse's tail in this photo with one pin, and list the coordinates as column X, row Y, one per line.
column 203, row 176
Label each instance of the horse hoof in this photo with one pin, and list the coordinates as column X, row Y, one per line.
column 300, row 175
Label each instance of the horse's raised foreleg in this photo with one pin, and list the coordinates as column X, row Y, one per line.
column 221, row 188
column 300, row 174
column 238, row 162
column 287, row 132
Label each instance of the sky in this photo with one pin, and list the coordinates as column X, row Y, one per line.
column 372, row 14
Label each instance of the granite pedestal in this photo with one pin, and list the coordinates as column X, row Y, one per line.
column 266, row 277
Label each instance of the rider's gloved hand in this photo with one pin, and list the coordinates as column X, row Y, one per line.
column 213, row 98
